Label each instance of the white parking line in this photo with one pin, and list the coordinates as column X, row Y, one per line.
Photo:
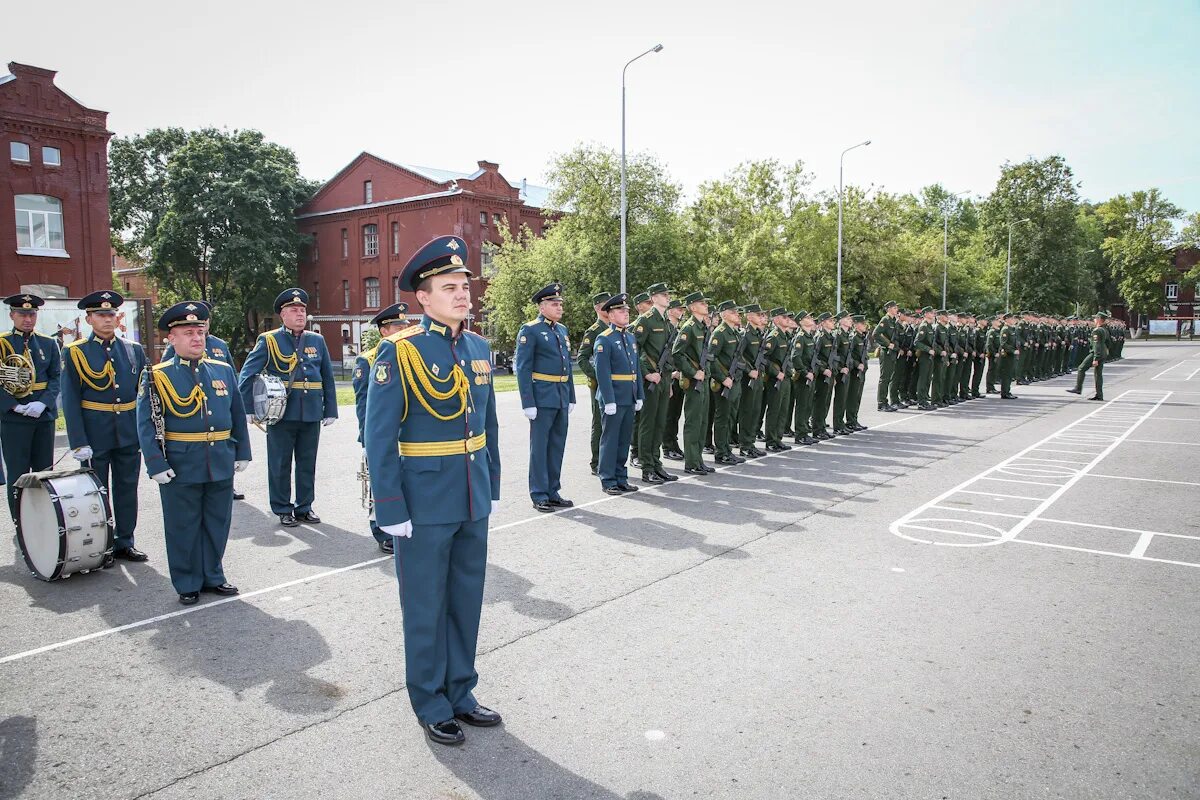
column 1158, row 441
column 1146, row 480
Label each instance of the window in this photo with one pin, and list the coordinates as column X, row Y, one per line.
column 317, row 295
column 368, row 192
column 316, row 248
column 395, row 288
column 345, row 243
column 370, row 240
column 496, row 219
column 487, row 253
column 39, row 225
column 483, row 218
column 1172, row 291
column 395, row 238
column 51, row 156
column 18, row 151
column 371, row 290
column 345, row 294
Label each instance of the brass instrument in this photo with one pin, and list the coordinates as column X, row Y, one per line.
column 156, row 416
column 364, row 475
column 16, row 375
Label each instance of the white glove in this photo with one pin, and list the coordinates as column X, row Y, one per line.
column 530, row 413
column 239, row 466
column 20, row 409
column 34, row 409
column 325, row 423
column 570, row 408
column 610, row 409
column 637, row 405
column 81, row 453
column 164, row 477
column 403, row 530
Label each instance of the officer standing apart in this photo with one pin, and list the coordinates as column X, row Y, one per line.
column 547, row 387
column 193, row 435
column 1096, row 358
column 431, row 391
column 584, row 361
column 100, row 379
column 300, row 359
column 27, row 421
column 390, row 320
column 655, row 337
column 619, row 387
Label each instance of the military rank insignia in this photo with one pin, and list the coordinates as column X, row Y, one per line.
column 220, row 388
column 599, row 347
column 383, row 372
column 311, row 352
column 483, row 371
column 218, row 354
column 358, row 373
column 523, row 340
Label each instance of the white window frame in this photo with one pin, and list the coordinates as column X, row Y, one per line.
column 345, row 295
column 368, row 192
column 46, row 149
column 370, row 240
column 345, row 242
column 483, row 219
column 395, row 238
column 48, row 218
column 371, row 293
column 1172, row 291
column 395, row 288
column 13, row 156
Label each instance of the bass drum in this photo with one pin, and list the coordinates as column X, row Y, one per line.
column 270, row 398
column 64, row 522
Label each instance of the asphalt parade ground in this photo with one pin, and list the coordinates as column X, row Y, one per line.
column 995, row 600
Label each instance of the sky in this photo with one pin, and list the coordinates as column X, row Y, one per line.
column 946, row 91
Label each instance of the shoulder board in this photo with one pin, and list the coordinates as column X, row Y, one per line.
column 44, row 336
column 604, row 332
column 162, row 365
column 531, row 322
column 475, row 335
column 215, row 361
column 405, row 333
column 4, row 334
column 369, row 355
column 76, row 342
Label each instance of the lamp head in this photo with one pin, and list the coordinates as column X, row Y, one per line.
column 657, row 47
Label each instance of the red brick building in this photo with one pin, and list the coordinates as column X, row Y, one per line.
column 1179, row 306
column 367, row 221
column 54, row 236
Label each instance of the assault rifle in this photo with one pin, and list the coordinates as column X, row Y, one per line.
column 737, row 365
column 662, row 359
column 761, row 358
column 705, row 357
column 787, row 359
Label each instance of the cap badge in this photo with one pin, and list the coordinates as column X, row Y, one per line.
column 106, row 295
column 452, row 244
column 190, row 307
column 456, row 260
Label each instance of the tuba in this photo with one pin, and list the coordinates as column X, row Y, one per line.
column 16, row 375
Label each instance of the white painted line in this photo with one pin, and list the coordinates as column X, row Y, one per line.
column 1115, row 528
column 1107, row 553
column 1143, row 542
column 944, row 530
column 1010, row 480
column 977, row 511
column 1156, row 441
column 1147, row 480
column 997, row 494
column 1174, row 419
column 1159, row 376
column 1053, row 460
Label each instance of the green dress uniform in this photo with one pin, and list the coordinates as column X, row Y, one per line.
column 992, row 349
column 841, row 386
column 824, row 358
column 653, row 334
column 692, row 354
column 27, row 422
column 1096, row 356
column 925, row 346
column 583, row 360
column 777, row 394
column 1009, row 356
column 750, row 403
column 803, row 378
column 670, row 437
column 860, row 360
column 723, row 346
column 886, row 335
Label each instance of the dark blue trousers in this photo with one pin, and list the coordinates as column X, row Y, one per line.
column 196, row 517
column 287, row 441
column 440, row 571
column 118, row 470
column 547, row 441
column 28, row 446
column 615, row 436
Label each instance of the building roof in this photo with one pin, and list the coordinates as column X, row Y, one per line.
column 536, row 196
column 380, row 204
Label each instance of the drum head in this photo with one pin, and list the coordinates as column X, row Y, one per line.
column 38, row 535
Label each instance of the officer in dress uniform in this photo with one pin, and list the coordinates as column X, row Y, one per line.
column 192, row 432
column 392, row 319
column 619, row 387
column 215, row 348
column 431, row 391
column 584, row 361
column 300, row 359
column 99, row 396
column 27, row 421
column 547, row 386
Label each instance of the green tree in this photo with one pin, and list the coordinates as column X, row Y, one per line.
column 1138, row 238
column 211, row 213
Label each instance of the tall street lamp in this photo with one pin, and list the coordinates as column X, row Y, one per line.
column 841, row 170
column 624, row 209
column 1008, row 263
column 946, row 242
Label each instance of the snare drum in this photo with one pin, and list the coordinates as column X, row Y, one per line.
column 270, row 398
column 64, row 523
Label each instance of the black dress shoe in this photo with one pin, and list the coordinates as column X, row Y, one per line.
column 727, row 460
column 189, row 598
column 788, row 432
column 635, row 462
column 594, row 470
column 307, row 516
column 288, row 520
column 710, row 469
column 626, row 487
column 1075, row 391
column 239, row 496
column 708, row 448
column 889, row 409
column 651, row 478
column 560, row 502
column 388, row 545
column 448, row 732
column 696, row 470
column 674, row 455
column 749, row 452
column 130, row 554
column 1096, row 397
column 823, row 436
column 775, row 448
column 613, row 490
column 225, row 590
column 666, row 476
column 543, row 506
column 841, row 431
column 858, row 427
column 1008, row 397
column 480, row 717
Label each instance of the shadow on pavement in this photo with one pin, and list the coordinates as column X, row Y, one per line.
column 649, row 533
column 18, row 752
column 505, row 586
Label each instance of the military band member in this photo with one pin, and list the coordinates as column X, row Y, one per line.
column 1095, row 358
column 546, row 383
column 392, row 319
column 192, row 433
column 584, row 361
column 670, row 437
column 886, row 335
column 99, row 398
column 692, row 354
column 619, row 387
column 301, row 360
column 434, row 451
column 27, row 421
column 654, row 336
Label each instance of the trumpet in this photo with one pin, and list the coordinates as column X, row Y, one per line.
column 364, row 475
column 16, row 375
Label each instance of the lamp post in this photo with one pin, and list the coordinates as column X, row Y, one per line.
column 624, row 210
column 1008, row 264
column 841, row 170
column 946, row 243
